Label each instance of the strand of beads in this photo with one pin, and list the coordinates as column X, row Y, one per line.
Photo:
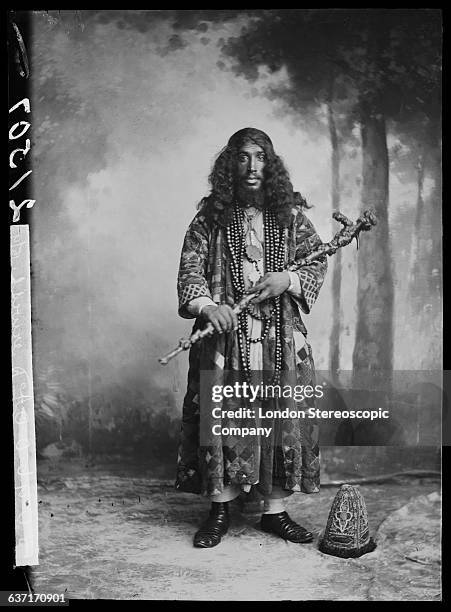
column 235, row 240
column 245, row 341
column 274, row 261
column 278, row 346
column 243, row 344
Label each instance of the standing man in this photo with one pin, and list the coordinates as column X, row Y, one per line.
column 248, row 230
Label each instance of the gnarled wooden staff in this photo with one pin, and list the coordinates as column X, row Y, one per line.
column 344, row 236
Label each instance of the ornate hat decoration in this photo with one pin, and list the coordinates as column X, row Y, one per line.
column 347, row 531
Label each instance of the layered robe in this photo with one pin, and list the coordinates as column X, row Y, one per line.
column 289, row 456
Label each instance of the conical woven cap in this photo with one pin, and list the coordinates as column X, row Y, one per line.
column 347, row 530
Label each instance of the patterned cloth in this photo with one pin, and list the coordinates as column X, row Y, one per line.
column 290, row 456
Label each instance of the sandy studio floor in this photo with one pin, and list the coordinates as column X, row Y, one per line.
column 113, row 533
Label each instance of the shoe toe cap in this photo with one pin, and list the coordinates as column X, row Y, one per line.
column 206, row 541
column 303, row 537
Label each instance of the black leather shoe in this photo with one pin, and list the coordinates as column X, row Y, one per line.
column 285, row 527
column 216, row 525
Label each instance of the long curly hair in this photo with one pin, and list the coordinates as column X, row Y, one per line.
column 278, row 191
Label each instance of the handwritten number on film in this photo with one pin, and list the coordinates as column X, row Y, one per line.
column 17, row 131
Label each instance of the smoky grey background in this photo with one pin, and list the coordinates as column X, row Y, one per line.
column 126, row 125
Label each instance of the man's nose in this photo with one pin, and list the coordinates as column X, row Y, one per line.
column 252, row 165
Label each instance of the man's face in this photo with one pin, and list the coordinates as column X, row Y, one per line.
column 250, row 165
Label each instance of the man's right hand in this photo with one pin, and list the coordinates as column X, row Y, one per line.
column 221, row 317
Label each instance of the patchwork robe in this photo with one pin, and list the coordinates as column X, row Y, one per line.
column 289, row 457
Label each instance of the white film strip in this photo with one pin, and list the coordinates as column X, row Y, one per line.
column 25, row 477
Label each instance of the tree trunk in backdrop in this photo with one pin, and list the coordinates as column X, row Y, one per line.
column 425, row 287
column 418, row 249
column 435, row 200
column 430, row 256
column 373, row 349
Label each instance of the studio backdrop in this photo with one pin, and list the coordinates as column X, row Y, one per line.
column 130, row 110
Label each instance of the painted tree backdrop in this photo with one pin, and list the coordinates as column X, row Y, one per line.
column 130, row 108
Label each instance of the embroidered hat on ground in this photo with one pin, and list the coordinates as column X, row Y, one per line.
column 347, row 530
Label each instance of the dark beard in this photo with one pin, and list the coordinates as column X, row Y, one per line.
column 248, row 197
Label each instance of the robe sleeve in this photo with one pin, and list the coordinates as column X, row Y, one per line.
column 192, row 275
column 311, row 277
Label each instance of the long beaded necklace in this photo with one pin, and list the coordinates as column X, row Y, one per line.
column 274, row 262
column 253, row 250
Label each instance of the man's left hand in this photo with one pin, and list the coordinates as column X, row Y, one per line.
column 270, row 285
